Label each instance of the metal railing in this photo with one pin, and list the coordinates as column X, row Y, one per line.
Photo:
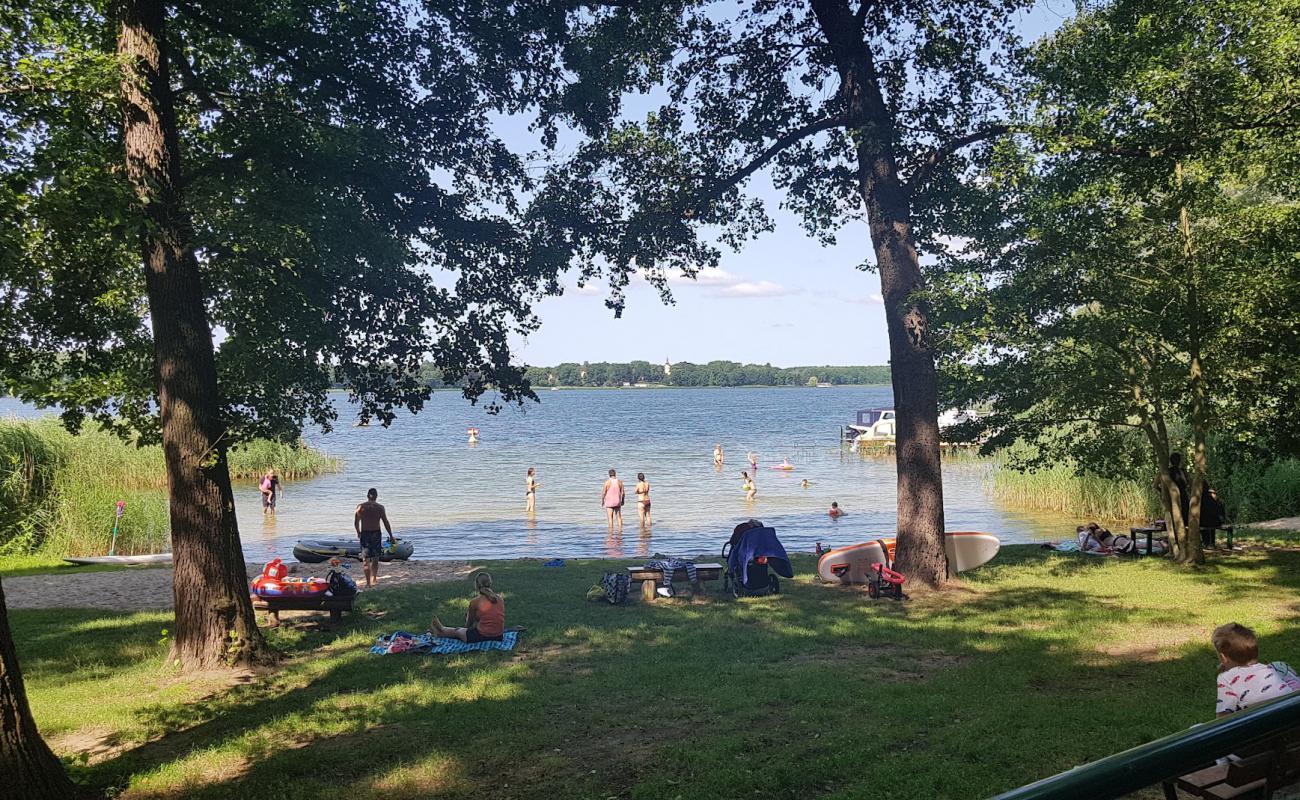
column 1174, row 755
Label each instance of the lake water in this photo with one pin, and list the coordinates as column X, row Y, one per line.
column 461, row 501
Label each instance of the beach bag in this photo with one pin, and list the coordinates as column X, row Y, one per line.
column 341, row 585
column 616, row 586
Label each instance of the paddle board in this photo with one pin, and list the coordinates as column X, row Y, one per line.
column 966, row 550
column 152, row 558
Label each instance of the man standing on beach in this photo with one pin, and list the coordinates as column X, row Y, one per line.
column 366, row 522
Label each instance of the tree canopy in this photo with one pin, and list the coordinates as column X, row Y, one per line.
column 1134, row 263
column 348, row 196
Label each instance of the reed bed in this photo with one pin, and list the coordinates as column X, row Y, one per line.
column 59, row 492
column 1060, row 488
column 1253, row 492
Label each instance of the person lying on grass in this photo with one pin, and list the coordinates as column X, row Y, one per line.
column 1243, row 681
column 484, row 622
column 1094, row 538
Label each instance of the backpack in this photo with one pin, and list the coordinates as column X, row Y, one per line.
column 616, row 586
column 341, row 585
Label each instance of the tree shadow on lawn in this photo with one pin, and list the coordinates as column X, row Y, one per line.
column 946, row 699
column 58, row 641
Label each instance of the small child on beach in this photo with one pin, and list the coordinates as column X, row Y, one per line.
column 1243, row 681
column 484, row 622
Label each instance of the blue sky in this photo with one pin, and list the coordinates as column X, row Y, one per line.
column 784, row 299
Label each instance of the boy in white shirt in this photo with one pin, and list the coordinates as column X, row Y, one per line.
column 1243, row 681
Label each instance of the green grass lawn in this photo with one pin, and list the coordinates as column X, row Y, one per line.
column 1041, row 662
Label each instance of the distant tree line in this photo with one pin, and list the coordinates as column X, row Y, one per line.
column 714, row 373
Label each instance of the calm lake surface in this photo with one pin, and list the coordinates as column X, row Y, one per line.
column 460, row 501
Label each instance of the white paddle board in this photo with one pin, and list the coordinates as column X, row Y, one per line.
column 152, row 558
column 966, row 550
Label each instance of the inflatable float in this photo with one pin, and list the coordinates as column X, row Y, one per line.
column 275, row 582
column 852, row 564
column 316, row 551
column 151, row 558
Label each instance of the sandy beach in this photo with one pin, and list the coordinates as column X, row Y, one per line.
column 145, row 588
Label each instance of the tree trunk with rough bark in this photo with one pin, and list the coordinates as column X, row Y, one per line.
column 215, row 625
column 28, row 769
column 921, row 554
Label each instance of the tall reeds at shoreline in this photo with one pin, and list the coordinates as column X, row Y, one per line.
column 1086, row 497
column 58, row 492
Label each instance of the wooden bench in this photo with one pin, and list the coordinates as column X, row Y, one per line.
column 650, row 577
column 1266, row 769
column 274, row 605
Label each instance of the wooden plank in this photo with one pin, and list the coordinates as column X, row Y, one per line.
column 303, row 603
column 705, row 572
column 1225, row 792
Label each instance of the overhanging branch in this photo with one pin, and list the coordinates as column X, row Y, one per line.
column 699, row 201
column 938, row 154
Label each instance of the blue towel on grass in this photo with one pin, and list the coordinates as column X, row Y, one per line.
column 427, row 643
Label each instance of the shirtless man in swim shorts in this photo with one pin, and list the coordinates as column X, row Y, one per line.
column 366, row 521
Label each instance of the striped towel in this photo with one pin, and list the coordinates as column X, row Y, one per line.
column 403, row 642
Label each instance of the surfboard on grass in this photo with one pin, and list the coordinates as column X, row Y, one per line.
column 966, row 550
column 151, row 558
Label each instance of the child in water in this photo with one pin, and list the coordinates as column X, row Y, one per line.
column 1243, row 681
column 835, row 511
column 751, row 491
column 805, row 483
column 484, row 622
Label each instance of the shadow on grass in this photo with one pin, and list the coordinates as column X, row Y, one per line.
column 955, row 695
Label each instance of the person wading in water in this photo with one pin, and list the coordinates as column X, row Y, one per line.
column 366, row 521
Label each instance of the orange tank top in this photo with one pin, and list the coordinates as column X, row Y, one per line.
column 491, row 616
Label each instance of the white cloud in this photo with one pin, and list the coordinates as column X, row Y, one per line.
column 721, row 283
column 755, row 289
column 872, row 299
column 588, row 290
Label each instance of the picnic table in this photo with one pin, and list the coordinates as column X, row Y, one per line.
column 650, row 577
column 1150, row 530
column 274, row 605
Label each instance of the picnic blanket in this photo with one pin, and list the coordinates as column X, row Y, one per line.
column 428, row 644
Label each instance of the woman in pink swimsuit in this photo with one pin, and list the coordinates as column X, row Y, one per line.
column 611, row 497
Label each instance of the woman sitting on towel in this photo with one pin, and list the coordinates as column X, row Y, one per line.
column 484, row 622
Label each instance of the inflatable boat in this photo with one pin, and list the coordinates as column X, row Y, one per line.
column 315, row 551
column 966, row 550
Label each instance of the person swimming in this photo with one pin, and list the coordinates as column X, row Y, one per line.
column 805, row 483
column 643, row 499
column 717, row 454
column 753, row 462
column 835, row 511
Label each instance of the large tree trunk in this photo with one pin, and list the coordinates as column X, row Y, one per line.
column 214, row 617
column 921, row 554
column 27, row 767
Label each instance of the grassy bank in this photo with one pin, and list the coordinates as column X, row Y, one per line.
column 58, row 491
column 1042, row 662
